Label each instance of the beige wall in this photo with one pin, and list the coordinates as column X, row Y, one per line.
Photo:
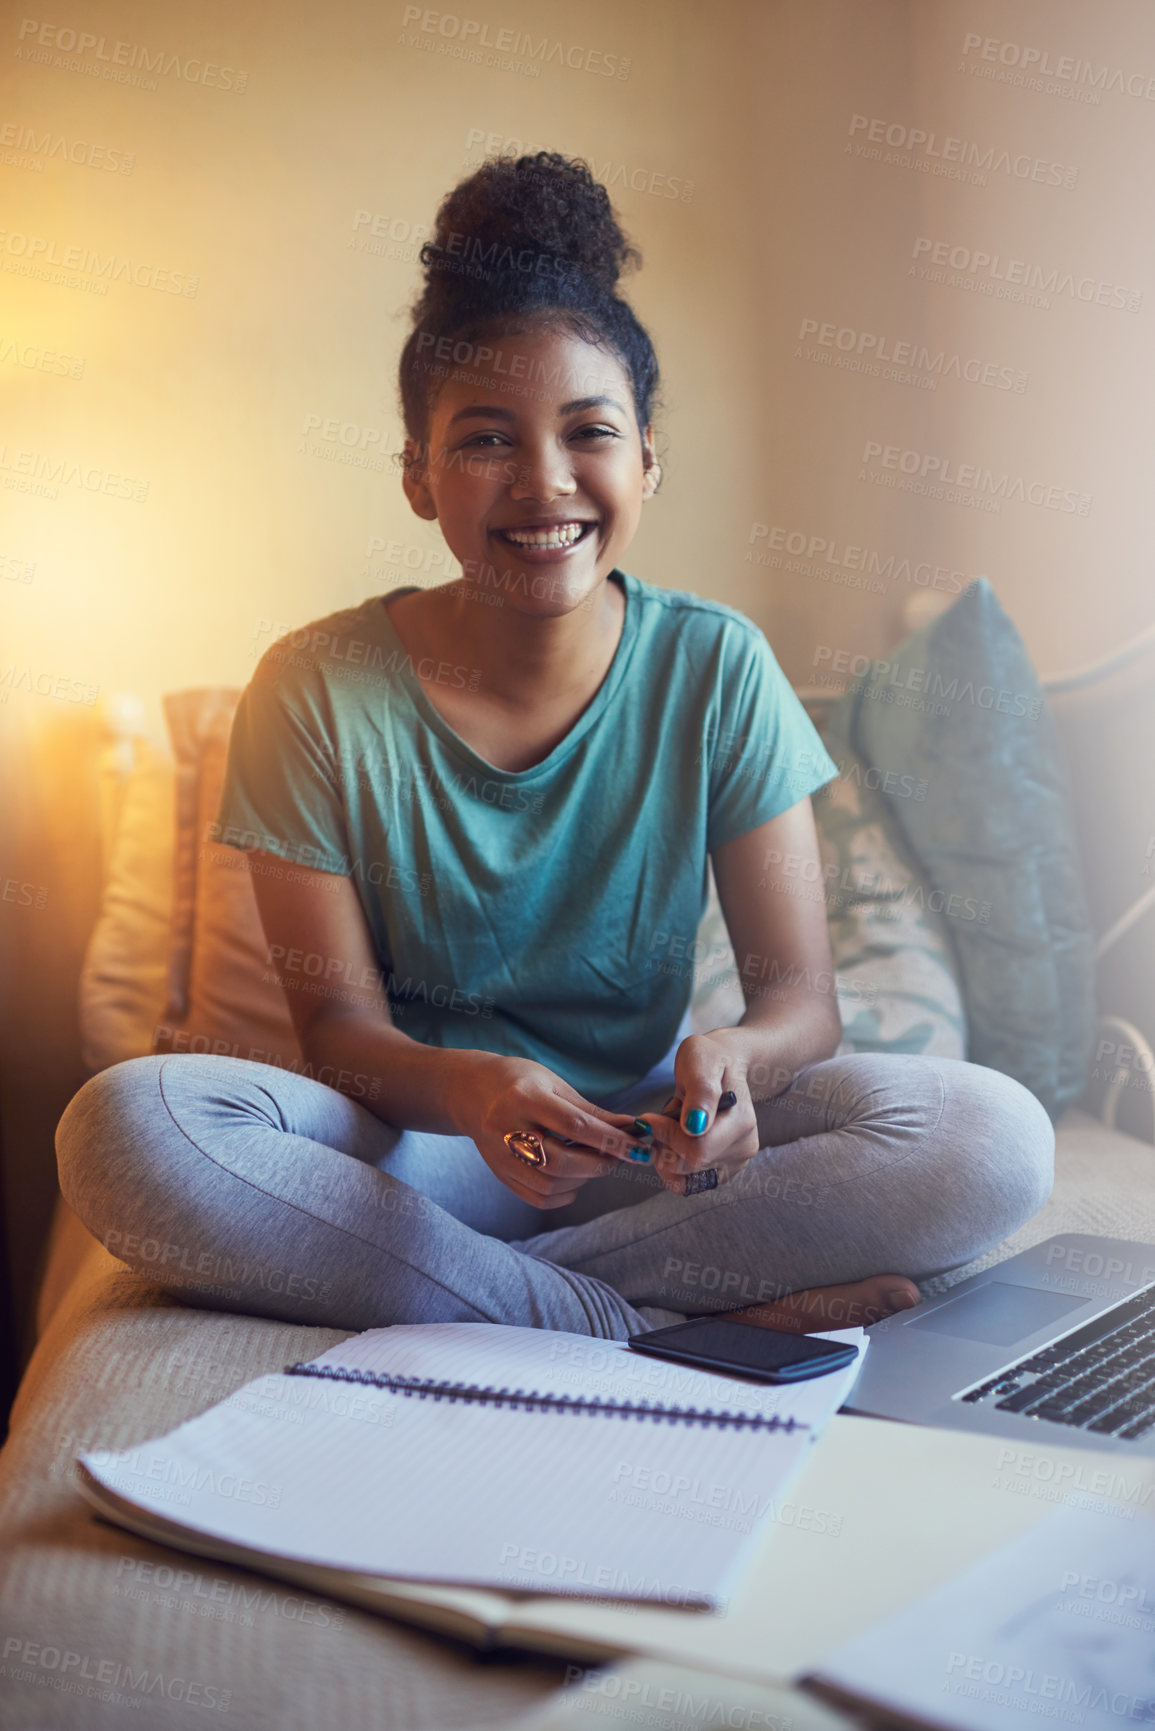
column 213, row 401
column 249, row 199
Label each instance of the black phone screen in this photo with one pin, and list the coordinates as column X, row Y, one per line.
column 742, row 1349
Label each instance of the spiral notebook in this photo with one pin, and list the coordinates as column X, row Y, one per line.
column 517, row 1459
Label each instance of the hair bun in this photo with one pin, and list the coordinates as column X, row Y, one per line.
column 546, row 209
column 520, row 239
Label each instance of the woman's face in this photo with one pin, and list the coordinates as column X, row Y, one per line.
column 536, row 470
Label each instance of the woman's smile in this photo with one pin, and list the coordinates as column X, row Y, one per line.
column 544, row 543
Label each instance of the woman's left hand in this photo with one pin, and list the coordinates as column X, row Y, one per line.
column 692, row 1134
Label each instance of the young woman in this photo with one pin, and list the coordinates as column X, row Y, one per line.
column 479, row 819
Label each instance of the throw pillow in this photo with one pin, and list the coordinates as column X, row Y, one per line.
column 958, row 707
column 223, row 995
column 895, row 973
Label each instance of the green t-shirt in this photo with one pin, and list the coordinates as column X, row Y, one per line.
column 547, row 913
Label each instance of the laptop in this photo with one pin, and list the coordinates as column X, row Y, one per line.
column 1057, row 1344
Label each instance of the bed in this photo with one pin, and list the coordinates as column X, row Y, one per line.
column 171, row 967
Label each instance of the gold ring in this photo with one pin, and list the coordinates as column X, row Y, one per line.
column 526, row 1146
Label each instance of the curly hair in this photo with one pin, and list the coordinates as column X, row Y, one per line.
column 525, row 239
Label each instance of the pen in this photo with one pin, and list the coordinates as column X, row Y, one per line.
column 696, row 1182
column 693, row 1182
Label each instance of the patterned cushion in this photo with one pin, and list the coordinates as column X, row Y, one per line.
column 897, row 979
column 895, row 972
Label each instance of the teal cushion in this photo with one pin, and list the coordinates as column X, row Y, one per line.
column 959, row 707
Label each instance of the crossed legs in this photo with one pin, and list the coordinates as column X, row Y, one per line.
column 245, row 1187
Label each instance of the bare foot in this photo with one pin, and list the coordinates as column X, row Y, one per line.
column 821, row 1307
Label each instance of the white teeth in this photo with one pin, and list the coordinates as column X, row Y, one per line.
column 565, row 536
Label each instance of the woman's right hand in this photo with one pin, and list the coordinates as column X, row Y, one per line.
column 498, row 1094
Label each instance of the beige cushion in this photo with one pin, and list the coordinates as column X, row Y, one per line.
column 123, row 981
column 222, row 994
column 177, row 960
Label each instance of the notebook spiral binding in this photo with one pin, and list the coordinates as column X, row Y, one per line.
column 428, row 1388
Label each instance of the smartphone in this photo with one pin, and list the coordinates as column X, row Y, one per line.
column 741, row 1349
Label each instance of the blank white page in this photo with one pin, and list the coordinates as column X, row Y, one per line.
column 524, row 1500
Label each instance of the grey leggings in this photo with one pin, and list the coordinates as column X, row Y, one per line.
column 245, row 1187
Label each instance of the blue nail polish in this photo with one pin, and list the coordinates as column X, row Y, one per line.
column 696, row 1121
column 642, row 1154
column 641, row 1128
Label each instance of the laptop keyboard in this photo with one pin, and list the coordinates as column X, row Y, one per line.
column 1100, row 1379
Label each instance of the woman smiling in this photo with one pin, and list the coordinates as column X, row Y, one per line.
column 577, row 1158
